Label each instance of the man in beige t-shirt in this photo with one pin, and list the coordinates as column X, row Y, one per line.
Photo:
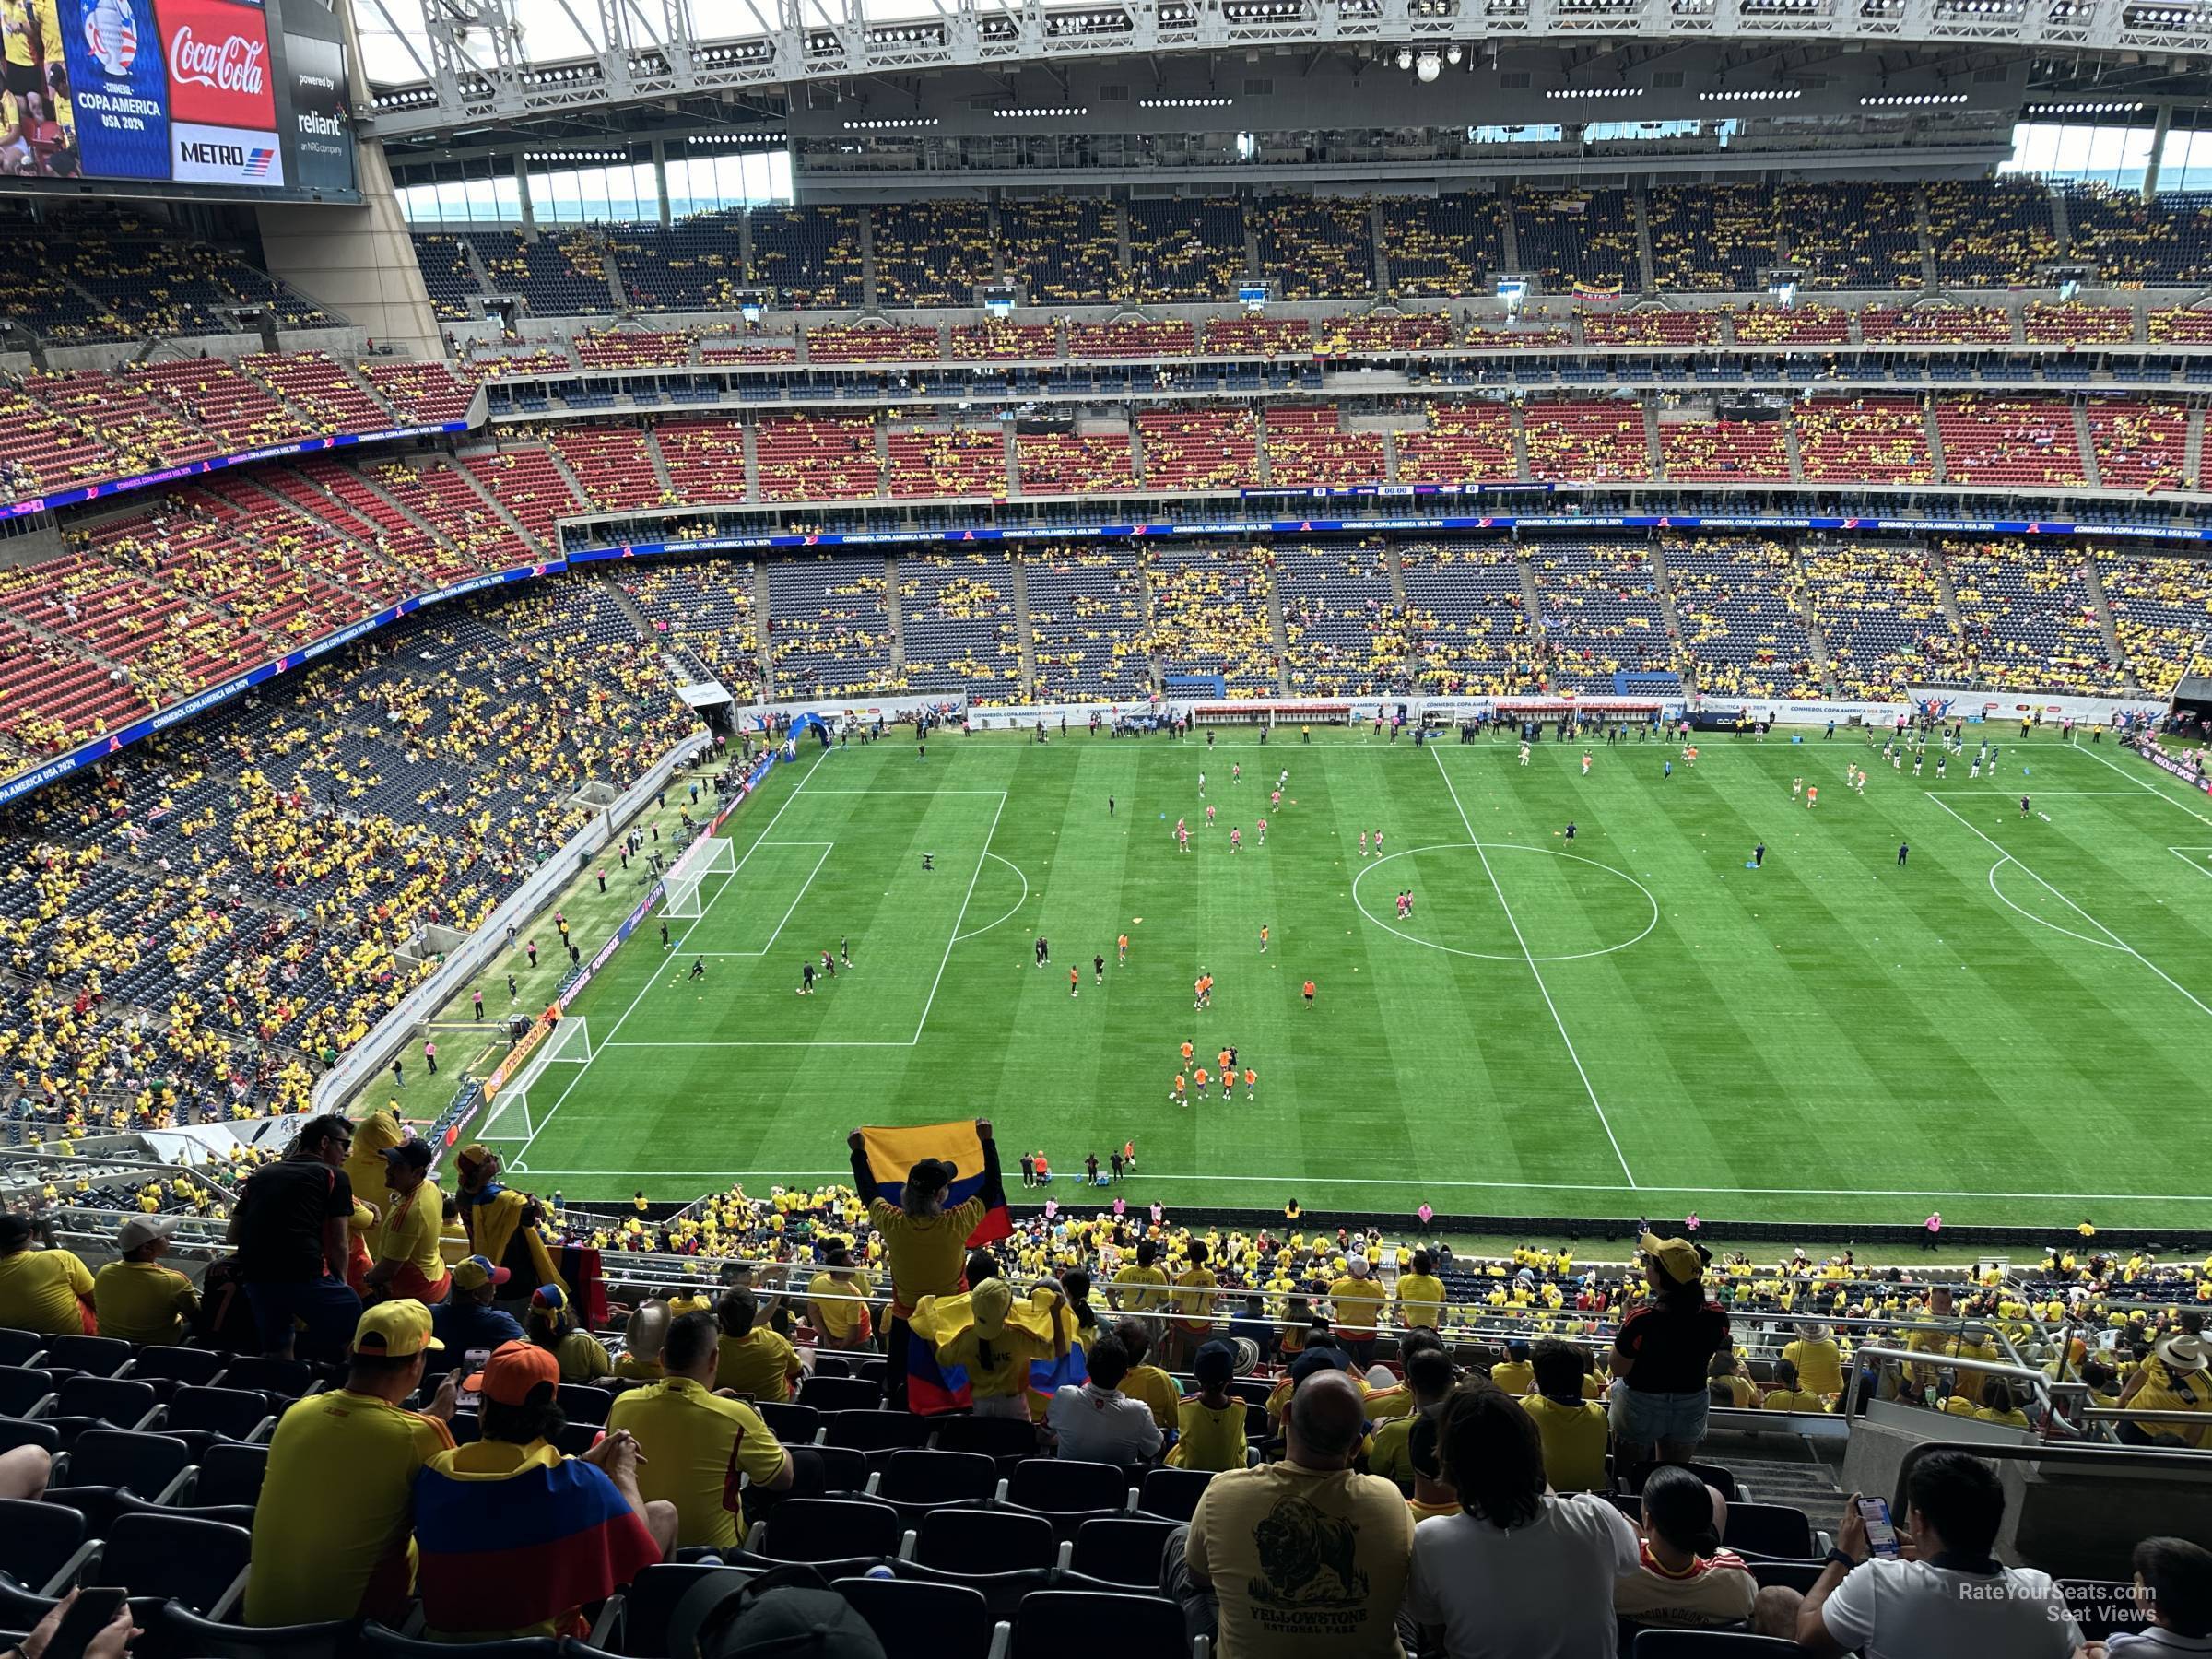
column 1303, row 1558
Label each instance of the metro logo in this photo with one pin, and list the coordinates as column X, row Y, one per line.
column 218, row 55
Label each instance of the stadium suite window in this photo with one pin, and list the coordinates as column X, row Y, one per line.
column 2102, row 153
column 703, row 183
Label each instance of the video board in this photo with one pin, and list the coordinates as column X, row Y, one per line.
column 230, row 96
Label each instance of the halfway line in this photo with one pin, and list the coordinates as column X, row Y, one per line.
column 1536, row 972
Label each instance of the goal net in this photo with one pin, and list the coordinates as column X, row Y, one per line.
column 568, row 1044
column 690, row 883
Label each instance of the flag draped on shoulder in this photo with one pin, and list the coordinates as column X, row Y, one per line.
column 893, row 1151
column 933, row 1386
column 563, row 1538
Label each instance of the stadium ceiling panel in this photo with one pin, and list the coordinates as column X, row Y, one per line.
column 441, row 67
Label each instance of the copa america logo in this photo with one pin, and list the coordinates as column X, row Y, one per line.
column 234, row 65
column 112, row 35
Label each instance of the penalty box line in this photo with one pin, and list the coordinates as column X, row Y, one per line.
column 821, row 860
column 675, row 947
column 2118, row 943
column 920, row 1025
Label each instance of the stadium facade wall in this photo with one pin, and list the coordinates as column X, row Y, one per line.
column 359, row 261
column 375, row 1051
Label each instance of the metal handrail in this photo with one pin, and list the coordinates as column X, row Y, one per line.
column 2034, row 1378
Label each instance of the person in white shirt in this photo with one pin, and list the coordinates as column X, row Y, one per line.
column 2173, row 1603
column 1521, row 1572
column 1943, row 1595
column 1098, row 1422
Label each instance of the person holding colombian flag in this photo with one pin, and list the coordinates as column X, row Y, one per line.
column 948, row 1199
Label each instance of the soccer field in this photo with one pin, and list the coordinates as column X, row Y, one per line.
column 2011, row 1026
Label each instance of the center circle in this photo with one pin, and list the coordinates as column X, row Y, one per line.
column 1564, row 907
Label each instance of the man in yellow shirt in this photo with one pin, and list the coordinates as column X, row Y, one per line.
column 1193, row 1303
column 690, row 1438
column 43, row 1291
column 409, row 1262
column 1142, row 1289
column 1514, row 1375
column 925, row 1243
column 1790, row 1395
column 1819, row 1360
column 1573, row 1429
column 841, row 1324
column 1358, row 1301
column 1421, row 1294
column 139, row 1299
column 331, row 1529
column 753, row 1361
column 1429, row 1377
column 1304, row 1558
column 1148, row 1382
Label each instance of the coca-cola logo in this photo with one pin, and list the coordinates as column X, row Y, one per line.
column 233, row 65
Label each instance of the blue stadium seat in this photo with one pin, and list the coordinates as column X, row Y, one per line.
column 582, row 1403
column 1087, row 1624
column 1122, row 1551
column 917, row 1481
column 103, row 1464
column 175, row 1366
column 839, row 1394
column 1769, row 1529
column 923, row 1621
column 826, row 1529
column 377, row 1643
column 884, row 1432
column 207, row 1639
column 992, row 1540
column 24, row 1390
column 94, row 1356
column 794, row 1424
column 1171, row 1494
column 1708, row 1645
column 19, row 1347
column 1069, row 1493
column 1003, row 1438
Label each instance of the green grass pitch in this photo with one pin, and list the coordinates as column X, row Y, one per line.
column 2012, row 1027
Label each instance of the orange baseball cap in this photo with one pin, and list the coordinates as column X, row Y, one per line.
column 514, row 1371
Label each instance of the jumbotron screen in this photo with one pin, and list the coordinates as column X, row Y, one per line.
column 228, row 96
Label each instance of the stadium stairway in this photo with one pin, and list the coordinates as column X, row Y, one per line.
column 2106, row 626
column 1025, row 635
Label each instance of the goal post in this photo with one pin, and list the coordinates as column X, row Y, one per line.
column 686, row 885
column 567, row 1043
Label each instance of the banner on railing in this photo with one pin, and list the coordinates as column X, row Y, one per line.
column 197, row 469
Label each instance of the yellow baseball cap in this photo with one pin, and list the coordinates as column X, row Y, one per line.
column 394, row 1330
column 1677, row 1258
column 474, row 1272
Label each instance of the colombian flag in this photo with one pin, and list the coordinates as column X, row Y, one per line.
column 892, row 1152
column 506, row 1545
column 932, row 1386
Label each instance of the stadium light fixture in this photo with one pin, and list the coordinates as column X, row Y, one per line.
column 1428, row 68
column 1452, row 55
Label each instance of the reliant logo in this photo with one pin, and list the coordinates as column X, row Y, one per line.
column 317, row 125
column 233, row 65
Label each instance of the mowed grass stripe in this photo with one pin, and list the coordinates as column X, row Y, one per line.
column 1969, row 1051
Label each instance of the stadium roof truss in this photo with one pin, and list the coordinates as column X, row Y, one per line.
column 445, row 65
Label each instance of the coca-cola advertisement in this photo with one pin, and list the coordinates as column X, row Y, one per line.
column 222, row 93
column 220, row 73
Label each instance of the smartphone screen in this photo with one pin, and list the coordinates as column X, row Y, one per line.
column 1881, row 1537
column 472, row 1362
column 91, row 1613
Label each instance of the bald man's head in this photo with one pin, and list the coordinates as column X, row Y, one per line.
column 1327, row 1419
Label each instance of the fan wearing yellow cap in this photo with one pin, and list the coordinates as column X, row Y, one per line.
column 333, row 1528
column 1660, row 1353
column 995, row 1337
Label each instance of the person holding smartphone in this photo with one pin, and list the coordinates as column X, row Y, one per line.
column 84, row 1624
column 1933, row 1589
